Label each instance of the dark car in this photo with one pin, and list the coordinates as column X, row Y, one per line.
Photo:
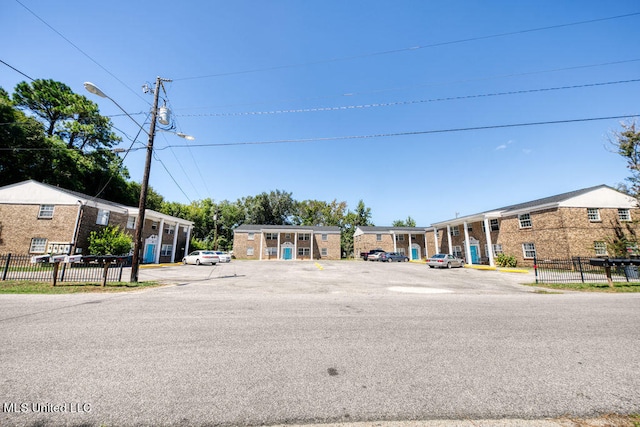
column 393, row 256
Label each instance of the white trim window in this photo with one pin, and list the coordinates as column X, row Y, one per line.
column 529, row 250
column 304, row 251
column 324, row 252
column 378, row 237
column 624, row 215
column 494, row 224
column 251, row 236
column 271, row 236
column 271, row 251
column 170, row 229
column 166, row 250
column 455, row 230
column 154, row 225
column 457, row 251
column 497, row 249
column 525, row 221
column 304, row 236
column 103, row 217
column 250, row 251
column 593, row 214
column 325, row 237
column 131, row 222
column 45, row 212
column 600, row 248
column 38, row 245
column 399, row 237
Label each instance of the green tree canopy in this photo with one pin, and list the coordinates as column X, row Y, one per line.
column 109, row 241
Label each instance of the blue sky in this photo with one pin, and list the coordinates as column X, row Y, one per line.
column 318, row 70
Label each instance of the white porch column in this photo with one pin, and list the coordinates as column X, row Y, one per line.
column 449, row 239
column 311, row 245
column 295, row 246
column 261, row 245
column 159, row 248
column 467, row 244
column 395, row 243
column 435, row 234
column 487, row 233
column 186, row 244
column 410, row 246
column 278, row 249
column 175, row 242
column 426, row 247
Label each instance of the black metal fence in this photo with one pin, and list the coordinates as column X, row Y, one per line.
column 579, row 269
column 44, row 269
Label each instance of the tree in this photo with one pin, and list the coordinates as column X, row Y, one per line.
column 352, row 220
column 111, row 240
column 627, row 144
column 409, row 222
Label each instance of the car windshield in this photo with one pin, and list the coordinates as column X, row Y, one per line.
column 439, row 256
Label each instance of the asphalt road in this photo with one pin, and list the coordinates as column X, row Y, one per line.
column 264, row 343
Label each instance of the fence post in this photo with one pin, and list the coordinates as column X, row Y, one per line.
column 535, row 267
column 6, row 267
column 581, row 271
column 56, row 265
column 106, row 270
column 120, row 274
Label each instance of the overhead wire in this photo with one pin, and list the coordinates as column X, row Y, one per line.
column 412, row 48
column 16, row 70
column 422, row 101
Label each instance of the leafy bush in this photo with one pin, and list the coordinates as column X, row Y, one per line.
column 503, row 260
column 110, row 240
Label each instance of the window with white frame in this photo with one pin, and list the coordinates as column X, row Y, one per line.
column 469, row 227
column 170, row 229
column 324, row 252
column 379, row 237
column 624, row 215
column 103, row 217
column 154, row 225
column 593, row 214
column 457, row 251
column 497, row 249
column 525, row 220
column 166, row 250
column 271, row 251
column 529, row 250
column 38, row 245
column 46, row 211
column 131, row 222
column 325, row 237
column 455, row 230
column 494, row 225
column 399, row 237
column 250, row 251
column 271, row 236
column 287, row 236
column 304, row 236
column 600, row 248
column 251, row 236
column 304, row 251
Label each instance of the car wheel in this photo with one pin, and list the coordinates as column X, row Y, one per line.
column 431, row 266
column 184, row 261
column 448, row 265
column 197, row 262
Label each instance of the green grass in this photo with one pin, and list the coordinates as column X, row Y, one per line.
column 592, row 287
column 30, row 287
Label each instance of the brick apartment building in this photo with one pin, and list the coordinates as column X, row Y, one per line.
column 37, row 218
column 286, row 242
column 409, row 241
column 577, row 223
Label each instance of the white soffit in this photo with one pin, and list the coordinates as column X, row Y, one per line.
column 600, row 198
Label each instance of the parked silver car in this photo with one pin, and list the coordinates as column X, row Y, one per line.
column 224, row 257
column 444, row 260
column 393, row 256
column 201, row 257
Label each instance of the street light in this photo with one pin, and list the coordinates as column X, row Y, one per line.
column 144, row 187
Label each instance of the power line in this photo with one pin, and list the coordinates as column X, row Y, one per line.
column 397, row 103
column 425, row 132
column 16, row 70
column 406, row 49
column 80, row 50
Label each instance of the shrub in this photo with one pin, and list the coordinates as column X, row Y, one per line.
column 503, row 260
column 110, row 240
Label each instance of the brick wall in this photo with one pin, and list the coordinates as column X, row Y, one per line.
column 241, row 243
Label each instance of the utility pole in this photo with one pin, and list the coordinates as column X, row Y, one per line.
column 144, row 187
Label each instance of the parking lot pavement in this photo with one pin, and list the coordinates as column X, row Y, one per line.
column 342, row 276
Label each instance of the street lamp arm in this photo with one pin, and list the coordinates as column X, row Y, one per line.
column 90, row 87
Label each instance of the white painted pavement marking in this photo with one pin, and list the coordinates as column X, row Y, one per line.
column 414, row 290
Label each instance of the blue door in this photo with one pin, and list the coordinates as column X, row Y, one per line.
column 414, row 253
column 149, row 253
column 474, row 254
column 286, row 253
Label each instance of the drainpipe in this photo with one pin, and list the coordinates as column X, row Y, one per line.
column 76, row 228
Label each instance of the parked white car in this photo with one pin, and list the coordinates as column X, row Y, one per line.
column 201, row 257
column 224, row 257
